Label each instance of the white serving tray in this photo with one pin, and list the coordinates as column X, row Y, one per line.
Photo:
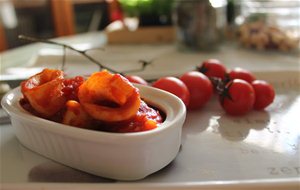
column 166, row 61
column 260, row 150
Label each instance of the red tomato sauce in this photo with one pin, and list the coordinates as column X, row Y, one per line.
column 143, row 120
column 71, row 87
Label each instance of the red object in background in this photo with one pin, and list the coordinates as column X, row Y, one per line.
column 174, row 86
column 115, row 10
column 200, row 88
column 136, row 79
column 264, row 94
column 238, row 97
column 240, row 73
column 213, row 68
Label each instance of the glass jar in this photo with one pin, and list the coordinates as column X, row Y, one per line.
column 199, row 24
column 270, row 24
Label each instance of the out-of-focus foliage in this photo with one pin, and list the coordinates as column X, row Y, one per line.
column 146, row 7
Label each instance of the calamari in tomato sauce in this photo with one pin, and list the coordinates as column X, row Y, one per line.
column 105, row 101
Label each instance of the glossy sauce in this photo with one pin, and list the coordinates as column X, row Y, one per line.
column 143, row 120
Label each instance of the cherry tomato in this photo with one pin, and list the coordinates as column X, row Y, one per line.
column 174, row 86
column 239, row 73
column 136, row 79
column 238, row 97
column 200, row 88
column 264, row 94
column 213, row 68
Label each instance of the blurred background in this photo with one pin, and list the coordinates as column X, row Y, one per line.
column 55, row 18
column 198, row 22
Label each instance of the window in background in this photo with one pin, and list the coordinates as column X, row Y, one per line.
column 25, row 17
column 91, row 16
column 37, row 18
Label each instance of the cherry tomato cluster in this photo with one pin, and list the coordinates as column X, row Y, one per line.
column 238, row 89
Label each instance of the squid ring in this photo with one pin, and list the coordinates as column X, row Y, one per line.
column 44, row 92
column 109, row 97
column 75, row 115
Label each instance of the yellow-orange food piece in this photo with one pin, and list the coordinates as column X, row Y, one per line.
column 75, row 115
column 44, row 92
column 109, row 97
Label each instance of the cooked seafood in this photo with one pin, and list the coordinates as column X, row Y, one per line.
column 75, row 115
column 44, row 92
column 105, row 101
column 109, row 97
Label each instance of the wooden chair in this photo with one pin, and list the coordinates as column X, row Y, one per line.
column 3, row 44
column 63, row 17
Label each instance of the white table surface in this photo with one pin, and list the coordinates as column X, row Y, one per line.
column 260, row 150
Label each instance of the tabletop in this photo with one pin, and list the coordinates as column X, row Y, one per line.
column 260, row 150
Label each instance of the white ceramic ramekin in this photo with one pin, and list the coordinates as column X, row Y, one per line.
column 121, row 156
